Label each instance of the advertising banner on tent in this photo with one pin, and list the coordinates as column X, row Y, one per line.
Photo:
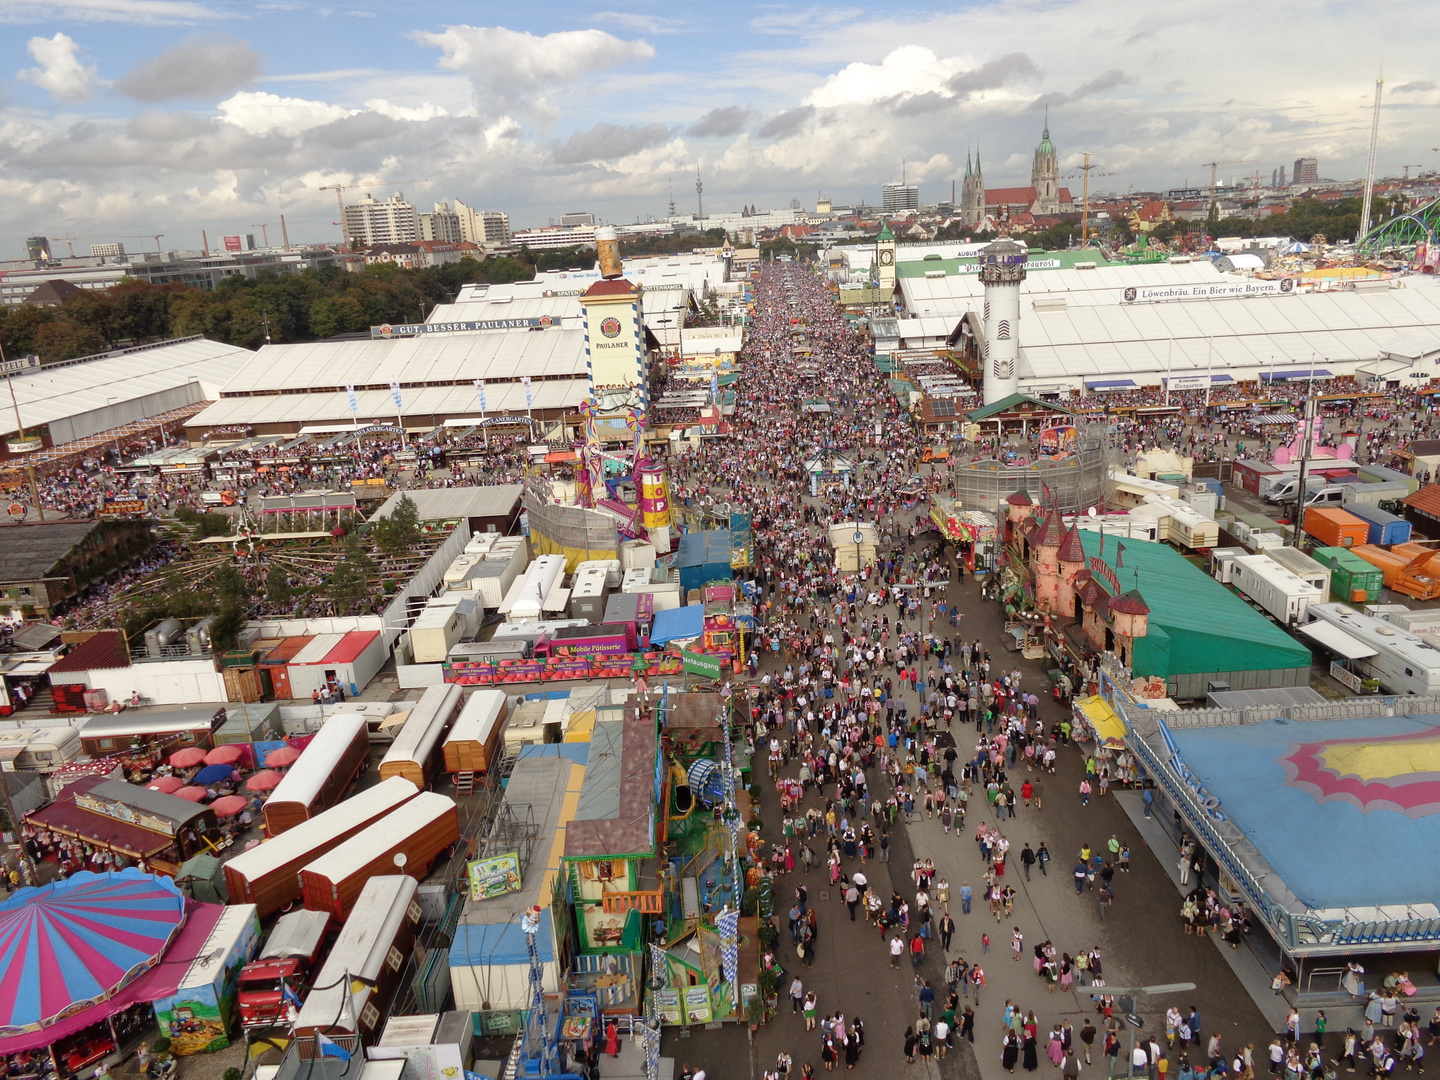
column 494, row 877
column 1248, row 287
column 700, row 664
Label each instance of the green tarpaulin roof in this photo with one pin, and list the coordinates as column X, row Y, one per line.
column 985, row 412
column 1196, row 624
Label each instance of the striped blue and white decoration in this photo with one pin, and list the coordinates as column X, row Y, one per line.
column 727, row 925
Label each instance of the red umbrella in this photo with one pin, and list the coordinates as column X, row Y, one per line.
column 281, row 756
column 184, row 759
column 229, row 804
column 224, row 755
column 167, row 784
column 193, row 793
column 266, row 780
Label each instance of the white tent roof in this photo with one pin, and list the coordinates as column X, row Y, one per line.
column 60, row 391
column 1334, row 331
column 434, row 359
column 452, row 402
column 1104, row 285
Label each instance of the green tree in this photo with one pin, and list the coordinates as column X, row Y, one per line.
column 278, row 592
column 396, row 534
column 230, row 585
column 211, row 523
column 331, row 315
column 64, row 340
column 349, row 586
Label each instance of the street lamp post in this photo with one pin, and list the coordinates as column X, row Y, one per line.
column 1124, row 998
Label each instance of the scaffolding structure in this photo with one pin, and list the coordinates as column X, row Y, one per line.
column 1074, row 482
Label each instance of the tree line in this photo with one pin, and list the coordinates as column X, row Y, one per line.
column 306, row 306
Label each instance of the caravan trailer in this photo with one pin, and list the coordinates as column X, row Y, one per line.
column 1274, row 588
column 1402, row 662
column 415, row 753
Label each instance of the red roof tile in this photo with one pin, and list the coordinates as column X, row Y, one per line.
column 1426, row 501
column 1130, row 603
column 105, row 650
column 1071, row 550
column 612, row 287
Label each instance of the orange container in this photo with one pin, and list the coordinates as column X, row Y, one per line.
column 1334, row 527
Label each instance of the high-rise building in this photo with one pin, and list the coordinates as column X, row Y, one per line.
column 441, row 224
column 1307, row 170
column 369, row 222
column 488, row 228
column 37, row 248
column 896, row 196
column 576, row 217
column 107, row 251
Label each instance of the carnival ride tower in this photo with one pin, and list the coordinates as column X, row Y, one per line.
column 1002, row 271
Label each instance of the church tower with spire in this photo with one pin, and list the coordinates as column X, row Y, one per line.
column 1045, row 175
column 972, row 197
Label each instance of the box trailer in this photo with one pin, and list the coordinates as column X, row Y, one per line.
column 1401, row 661
column 1222, row 563
column 605, row 640
column 432, row 633
column 1303, row 567
column 1251, row 474
column 1334, row 527
column 319, row 777
column 268, row 876
column 421, row 830
column 611, row 568
column 588, row 593
column 1386, row 494
column 415, row 753
column 544, row 574
column 200, row 1015
column 1379, row 473
column 636, row 610
column 474, row 740
column 1385, row 528
column 365, row 967
column 1274, row 589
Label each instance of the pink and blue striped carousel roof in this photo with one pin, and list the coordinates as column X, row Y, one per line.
column 73, row 943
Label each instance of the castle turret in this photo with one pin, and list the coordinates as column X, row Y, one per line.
column 1129, row 621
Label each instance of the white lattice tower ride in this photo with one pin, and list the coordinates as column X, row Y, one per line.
column 1002, row 271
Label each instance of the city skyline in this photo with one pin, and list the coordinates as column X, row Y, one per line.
column 122, row 117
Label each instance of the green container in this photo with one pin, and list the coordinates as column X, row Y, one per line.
column 240, row 658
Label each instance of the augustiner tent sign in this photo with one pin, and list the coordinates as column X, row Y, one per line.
column 700, row 664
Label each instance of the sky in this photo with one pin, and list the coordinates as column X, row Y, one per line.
column 174, row 116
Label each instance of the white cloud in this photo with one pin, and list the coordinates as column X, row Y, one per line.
column 514, row 66
column 911, row 69
column 259, row 113
column 60, row 74
column 416, row 113
column 128, row 11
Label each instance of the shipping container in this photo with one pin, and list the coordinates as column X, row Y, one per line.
column 248, row 684
column 1385, row 528
column 1352, row 579
column 268, row 876
column 1334, row 527
column 421, row 830
column 318, row 779
column 415, row 753
column 364, row 966
column 1274, row 588
column 474, row 740
column 1405, row 569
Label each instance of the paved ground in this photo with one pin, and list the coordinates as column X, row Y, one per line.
column 1142, row 942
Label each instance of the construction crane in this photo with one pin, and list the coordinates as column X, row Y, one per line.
column 1214, row 169
column 148, row 236
column 1255, row 185
column 1404, row 179
column 1085, row 171
column 264, row 227
column 340, row 190
column 69, row 242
